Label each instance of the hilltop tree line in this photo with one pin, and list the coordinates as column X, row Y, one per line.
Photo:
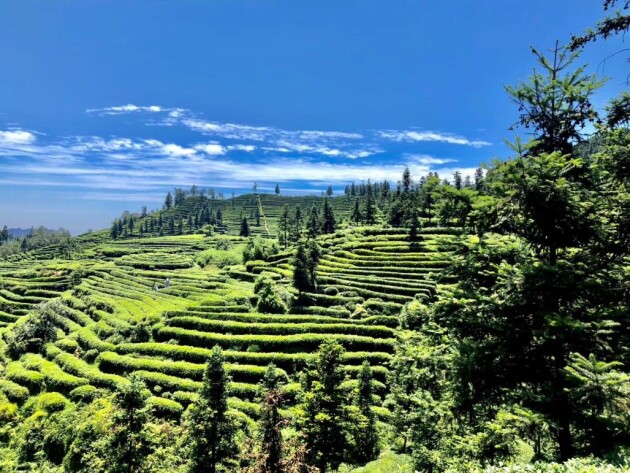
column 39, row 237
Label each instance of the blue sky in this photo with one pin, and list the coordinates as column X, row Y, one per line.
column 105, row 105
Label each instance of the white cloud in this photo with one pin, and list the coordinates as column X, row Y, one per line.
column 425, row 159
column 213, row 149
column 412, row 135
column 172, row 149
column 18, row 137
column 131, row 108
column 247, row 148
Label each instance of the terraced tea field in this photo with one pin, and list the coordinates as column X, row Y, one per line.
column 111, row 321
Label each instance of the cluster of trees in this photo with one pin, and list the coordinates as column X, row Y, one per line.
column 37, row 238
column 528, row 353
column 161, row 223
column 120, row 432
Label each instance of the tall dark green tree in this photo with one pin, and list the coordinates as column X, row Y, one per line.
column 370, row 206
column 244, row 232
column 324, row 422
column 364, row 432
column 212, row 428
column 356, row 216
column 284, row 227
column 168, row 202
column 313, row 223
column 129, row 439
column 329, row 223
column 302, row 264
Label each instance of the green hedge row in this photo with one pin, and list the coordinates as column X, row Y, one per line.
column 288, row 343
column 205, row 325
column 114, row 363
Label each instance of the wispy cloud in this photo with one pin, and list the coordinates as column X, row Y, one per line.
column 130, row 108
column 415, row 135
column 224, row 155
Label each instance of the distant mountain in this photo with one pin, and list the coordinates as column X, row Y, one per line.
column 20, row 232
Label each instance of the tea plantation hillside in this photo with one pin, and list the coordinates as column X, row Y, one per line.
column 114, row 315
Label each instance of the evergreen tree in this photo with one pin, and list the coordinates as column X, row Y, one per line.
column 302, row 264
column 356, row 213
column 4, row 235
column 168, row 202
column 130, row 225
column 271, row 422
column 211, row 427
column 479, row 179
column 329, row 225
column 365, row 434
column 457, row 180
column 219, row 216
column 329, row 191
column 314, row 255
column 114, row 230
column 370, row 207
column 277, row 189
column 406, row 181
column 313, row 224
column 324, row 424
column 284, row 225
column 296, row 227
column 129, row 440
column 555, row 107
column 244, row 228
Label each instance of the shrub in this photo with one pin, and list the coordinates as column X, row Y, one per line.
column 259, row 249
column 269, row 295
column 36, row 330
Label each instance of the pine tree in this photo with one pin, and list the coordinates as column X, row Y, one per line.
column 329, row 191
column 244, row 228
column 324, row 401
column 302, row 265
column 168, row 202
column 478, row 179
column 296, row 228
column 271, row 421
column 356, row 213
column 365, row 435
column 313, row 224
column 114, row 230
column 129, row 441
column 329, row 225
column 211, row 426
column 277, row 189
column 406, row 181
column 370, row 208
column 284, row 227
column 219, row 216
column 457, row 180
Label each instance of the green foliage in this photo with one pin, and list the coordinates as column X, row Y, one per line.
column 323, row 419
column 34, row 331
column 129, row 442
column 270, row 297
column 211, row 427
